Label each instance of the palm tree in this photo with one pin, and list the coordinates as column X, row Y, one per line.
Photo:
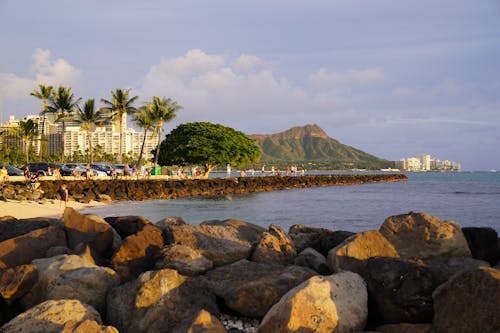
column 63, row 103
column 119, row 106
column 144, row 119
column 88, row 118
column 27, row 130
column 43, row 93
column 163, row 110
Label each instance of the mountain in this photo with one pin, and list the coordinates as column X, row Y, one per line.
column 310, row 144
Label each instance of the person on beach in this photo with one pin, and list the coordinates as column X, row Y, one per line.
column 63, row 192
column 4, row 174
column 87, row 171
column 27, row 173
column 34, row 184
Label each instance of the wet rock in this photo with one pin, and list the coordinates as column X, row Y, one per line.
column 420, row 236
column 335, row 303
column 138, row 253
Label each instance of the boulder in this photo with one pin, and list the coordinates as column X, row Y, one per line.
column 405, row 328
column 15, row 282
column 138, row 253
column 184, row 260
column 51, row 316
column 34, row 244
column 482, row 243
column 222, row 242
column 274, row 247
column 251, row 288
column 168, row 221
column 352, row 253
column 127, row 225
column 420, row 236
column 88, row 229
column 11, row 227
column 87, row 326
column 312, row 259
column 201, row 322
column 322, row 240
column 335, row 303
column 69, row 276
column 468, row 302
column 443, row 268
column 157, row 299
column 400, row 290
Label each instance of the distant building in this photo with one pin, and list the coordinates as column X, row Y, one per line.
column 106, row 136
column 426, row 163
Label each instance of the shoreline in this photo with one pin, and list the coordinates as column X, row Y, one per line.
column 25, row 209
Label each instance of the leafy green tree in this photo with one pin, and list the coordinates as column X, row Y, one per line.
column 43, row 93
column 208, row 144
column 119, row 105
column 89, row 118
column 162, row 110
column 62, row 103
column 145, row 120
column 28, row 131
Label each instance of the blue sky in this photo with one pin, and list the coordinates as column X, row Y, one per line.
column 393, row 78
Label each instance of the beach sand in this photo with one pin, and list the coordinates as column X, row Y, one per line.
column 43, row 208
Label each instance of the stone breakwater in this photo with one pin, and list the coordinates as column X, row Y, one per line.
column 85, row 273
column 133, row 189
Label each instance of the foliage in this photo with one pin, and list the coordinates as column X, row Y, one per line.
column 44, row 93
column 119, row 105
column 145, row 120
column 209, row 145
column 27, row 131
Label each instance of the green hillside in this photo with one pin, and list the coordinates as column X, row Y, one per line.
column 310, row 144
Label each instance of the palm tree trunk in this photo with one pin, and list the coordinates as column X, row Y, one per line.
column 62, row 137
column 142, row 149
column 90, row 146
column 160, row 131
column 121, row 141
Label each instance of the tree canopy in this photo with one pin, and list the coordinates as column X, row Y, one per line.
column 207, row 144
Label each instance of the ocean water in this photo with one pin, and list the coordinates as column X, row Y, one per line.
column 468, row 198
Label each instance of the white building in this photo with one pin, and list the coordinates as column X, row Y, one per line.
column 426, row 163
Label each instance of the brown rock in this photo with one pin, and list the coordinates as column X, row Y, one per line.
column 88, row 229
column 201, row 322
column 11, row 227
column 17, row 281
column 183, row 259
column 23, row 249
column 405, row 328
column 138, row 253
column 443, row 268
column 420, row 236
column 352, row 253
column 468, row 302
column 482, row 243
column 69, row 276
column 251, row 288
column 87, row 326
column 157, row 301
column 304, row 236
column 275, row 247
column 127, row 225
column 322, row 304
column 51, row 316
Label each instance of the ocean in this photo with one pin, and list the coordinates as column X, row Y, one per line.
column 468, row 198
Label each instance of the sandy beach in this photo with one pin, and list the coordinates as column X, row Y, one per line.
column 43, row 208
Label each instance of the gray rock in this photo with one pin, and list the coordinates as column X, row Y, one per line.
column 183, row 259
column 274, row 247
column 314, row 260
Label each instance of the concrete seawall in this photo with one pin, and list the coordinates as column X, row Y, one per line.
column 128, row 189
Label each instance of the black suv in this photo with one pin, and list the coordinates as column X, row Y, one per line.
column 41, row 168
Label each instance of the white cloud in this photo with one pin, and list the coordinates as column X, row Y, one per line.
column 43, row 70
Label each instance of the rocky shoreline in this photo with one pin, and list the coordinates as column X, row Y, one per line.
column 85, row 273
column 142, row 189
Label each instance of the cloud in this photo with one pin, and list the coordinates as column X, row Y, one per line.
column 323, row 78
column 43, row 70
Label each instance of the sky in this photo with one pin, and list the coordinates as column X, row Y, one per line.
column 394, row 78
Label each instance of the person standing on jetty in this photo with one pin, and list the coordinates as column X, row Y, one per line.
column 63, row 192
column 228, row 170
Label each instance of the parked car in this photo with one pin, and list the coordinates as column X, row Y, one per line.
column 121, row 167
column 104, row 167
column 80, row 169
column 12, row 170
column 41, row 168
